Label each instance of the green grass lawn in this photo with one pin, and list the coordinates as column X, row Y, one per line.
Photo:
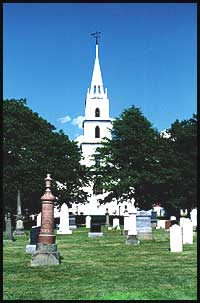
column 102, row 269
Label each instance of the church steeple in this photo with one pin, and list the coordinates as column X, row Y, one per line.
column 97, row 121
column 96, row 87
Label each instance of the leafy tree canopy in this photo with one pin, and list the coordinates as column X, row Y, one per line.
column 141, row 163
column 32, row 148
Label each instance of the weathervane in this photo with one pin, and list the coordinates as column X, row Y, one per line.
column 96, row 35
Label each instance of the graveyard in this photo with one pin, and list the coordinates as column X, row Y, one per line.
column 102, row 268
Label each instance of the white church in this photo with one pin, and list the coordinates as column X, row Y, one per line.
column 96, row 125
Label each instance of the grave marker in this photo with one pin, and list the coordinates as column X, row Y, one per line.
column 176, row 239
column 64, row 221
column 187, row 229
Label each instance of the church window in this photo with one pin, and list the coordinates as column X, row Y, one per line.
column 97, row 112
column 97, row 132
column 95, row 89
column 99, row 91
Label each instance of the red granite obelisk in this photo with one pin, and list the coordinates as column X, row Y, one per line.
column 46, row 250
column 46, row 235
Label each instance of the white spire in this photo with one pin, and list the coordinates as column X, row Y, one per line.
column 96, row 87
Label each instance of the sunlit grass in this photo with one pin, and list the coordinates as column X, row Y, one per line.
column 102, row 269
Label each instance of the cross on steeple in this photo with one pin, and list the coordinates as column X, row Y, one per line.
column 97, row 36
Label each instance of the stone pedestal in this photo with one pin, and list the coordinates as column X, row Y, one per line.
column 45, row 254
column 46, row 250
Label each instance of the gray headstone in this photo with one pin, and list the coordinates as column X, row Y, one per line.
column 9, row 233
column 143, row 226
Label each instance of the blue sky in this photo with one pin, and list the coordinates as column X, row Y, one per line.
column 147, row 55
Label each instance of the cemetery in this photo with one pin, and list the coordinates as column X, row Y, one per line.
column 102, row 268
column 99, row 261
column 118, row 218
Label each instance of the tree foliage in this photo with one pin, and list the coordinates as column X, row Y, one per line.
column 141, row 163
column 32, row 148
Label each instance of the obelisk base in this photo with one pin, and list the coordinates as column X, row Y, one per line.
column 46, row 254
column 19, row 228
column 132, row 240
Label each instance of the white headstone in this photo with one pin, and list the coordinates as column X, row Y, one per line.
column 88, row 221
column 126, row 221
column 187, row 229
column 182, row 219
column 172, row 218
column 39, row 219
column 160, row 224
column 64, row 221
column 176, row 240
column 116, row 223
column 193, row 217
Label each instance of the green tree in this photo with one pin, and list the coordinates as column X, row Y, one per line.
column 32, row 148
column 129, row 161
column 182, row 184
column 140, row 162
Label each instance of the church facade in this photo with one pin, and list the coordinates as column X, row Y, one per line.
column 97, row 124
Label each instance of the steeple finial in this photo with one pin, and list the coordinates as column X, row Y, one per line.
column 97, row 36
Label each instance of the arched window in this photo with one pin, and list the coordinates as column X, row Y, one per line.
column 97, row 132
column 95, row 88
column 97, row 112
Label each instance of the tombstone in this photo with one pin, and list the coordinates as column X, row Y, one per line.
column 72, row 222
column 19, row 230
column 107, row 218
column 176, row 239
column 193, row 217
column 126, row 223
column 64, row 221
column 46, row 250
column 9, row 233
column 88, row 221
column 95, row 228
column 143, row 225
column 132, row 238
column 34, row 234
column 160, row 224
column 187, row 230
column 182, row 219
column 116, row 223
column 39, row 219
column 153, row 218
column 173, row 218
